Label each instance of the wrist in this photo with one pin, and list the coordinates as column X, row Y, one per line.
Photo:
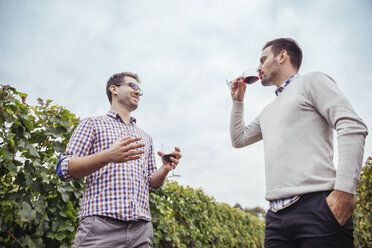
column 236, row 99
column 165, row 169
column 341, row 192
column 104, row 157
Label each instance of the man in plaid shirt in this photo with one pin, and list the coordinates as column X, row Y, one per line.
column 117, row 160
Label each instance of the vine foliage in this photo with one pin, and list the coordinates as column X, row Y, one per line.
column 363, row 212
column 39, row 210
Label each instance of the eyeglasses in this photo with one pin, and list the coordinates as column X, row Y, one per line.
column 133, row 86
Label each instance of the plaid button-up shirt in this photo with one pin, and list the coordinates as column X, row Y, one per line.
column 117, row 190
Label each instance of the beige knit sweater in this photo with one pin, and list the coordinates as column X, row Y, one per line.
column 297, row 130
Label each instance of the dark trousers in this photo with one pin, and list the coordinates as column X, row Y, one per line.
column 308, row 223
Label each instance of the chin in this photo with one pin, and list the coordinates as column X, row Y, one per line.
column 265, row 83
column 134, row 107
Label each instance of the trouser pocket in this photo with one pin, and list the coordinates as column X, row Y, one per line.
column 84, row 230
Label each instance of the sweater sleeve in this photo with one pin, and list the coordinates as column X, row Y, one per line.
column 332, row 104
column 242, row 135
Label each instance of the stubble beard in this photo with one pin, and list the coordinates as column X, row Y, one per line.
column 270, row 77
column 129, row 103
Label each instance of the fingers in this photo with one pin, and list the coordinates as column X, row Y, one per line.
column 128, row 140
column 128, row 143
column 238, row 89
column 130, row 158
column 131, row 155
column 235, row 84
column 126, row 149
column 238, row 82
column 177, row 152
column 175, row 161
column 242, row 85
column 133, row 146
column 134, row 152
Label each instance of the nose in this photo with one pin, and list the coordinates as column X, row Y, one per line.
column 138, row 91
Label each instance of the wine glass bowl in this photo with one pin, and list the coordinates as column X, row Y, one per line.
column 250, row 76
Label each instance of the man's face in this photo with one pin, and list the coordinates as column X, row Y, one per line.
column 269, row 67
column 127, row 96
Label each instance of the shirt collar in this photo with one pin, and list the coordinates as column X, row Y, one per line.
column 281, row 88
column 115, row 115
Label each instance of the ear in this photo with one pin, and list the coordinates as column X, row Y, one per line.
column 282, row 56
column 113, row 90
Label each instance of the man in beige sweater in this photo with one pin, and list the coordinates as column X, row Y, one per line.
column 310, row 203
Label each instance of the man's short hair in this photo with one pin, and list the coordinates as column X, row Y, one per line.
column 288, row 44
column 116, row 79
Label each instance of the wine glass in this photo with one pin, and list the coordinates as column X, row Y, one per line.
column 250, row 76
column 167, row 148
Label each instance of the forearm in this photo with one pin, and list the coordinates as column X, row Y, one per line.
column 79, row 167
column 240, row 134
column 236, row 124
column 350, row 149
column 158, row 177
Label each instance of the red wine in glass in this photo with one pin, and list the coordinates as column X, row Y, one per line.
column 251, row 79
column 167, row 157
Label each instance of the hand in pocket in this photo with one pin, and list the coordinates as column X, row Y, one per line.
column 342, row 205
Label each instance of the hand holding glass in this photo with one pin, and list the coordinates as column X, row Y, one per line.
column 167, row 149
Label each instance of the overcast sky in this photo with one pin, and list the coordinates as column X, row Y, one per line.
column 183, row 51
